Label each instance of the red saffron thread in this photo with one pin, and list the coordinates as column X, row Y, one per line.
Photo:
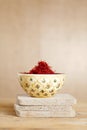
column 41, row 68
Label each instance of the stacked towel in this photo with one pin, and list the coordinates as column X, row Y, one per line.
column 59, row 105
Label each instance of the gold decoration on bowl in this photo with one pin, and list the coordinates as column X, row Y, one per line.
column 41, row 85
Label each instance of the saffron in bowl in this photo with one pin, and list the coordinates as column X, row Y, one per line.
column 41, row 81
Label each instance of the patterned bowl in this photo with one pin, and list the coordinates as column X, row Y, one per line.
column 41, row 85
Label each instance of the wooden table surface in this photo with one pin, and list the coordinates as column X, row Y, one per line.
column 8, row 118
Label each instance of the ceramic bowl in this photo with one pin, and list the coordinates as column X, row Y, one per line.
column 41, row 85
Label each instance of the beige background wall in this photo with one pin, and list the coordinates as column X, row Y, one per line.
column 64, row 41
column 19, row 46
column 53, row 30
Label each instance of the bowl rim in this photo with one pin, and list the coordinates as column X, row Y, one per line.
column 22, row 73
